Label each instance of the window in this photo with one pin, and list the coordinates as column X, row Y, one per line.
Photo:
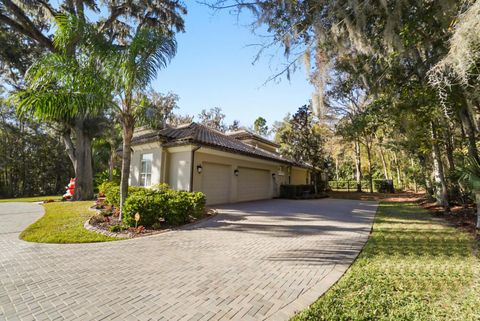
column 146, row 170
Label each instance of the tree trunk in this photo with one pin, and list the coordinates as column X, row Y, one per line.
column 111, row 163
column 384, row 164
column 128, row 124
column 397, row 167
column 440, row 184
column 83, row 163
column 369, row 159
column 336, row 168
column 358, row 166
column 469, row 129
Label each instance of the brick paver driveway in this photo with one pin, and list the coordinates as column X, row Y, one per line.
column 254, row 261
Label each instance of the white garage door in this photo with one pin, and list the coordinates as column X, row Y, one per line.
column 253, row 184
column 216, row 183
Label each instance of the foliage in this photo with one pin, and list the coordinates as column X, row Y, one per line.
column 413, row 267
column 470, row 174
column 112, row 192
column 158, row 205
column 33, row 159
column 63, row 223
column 295, row 191
column 301, row 138
column 260, row 126
column 158, row 109
column 383, row 186
column 213, row 118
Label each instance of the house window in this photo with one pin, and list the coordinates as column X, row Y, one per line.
column 146, row 170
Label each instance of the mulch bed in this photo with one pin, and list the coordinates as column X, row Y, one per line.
column 461, row 217
column 104, row 226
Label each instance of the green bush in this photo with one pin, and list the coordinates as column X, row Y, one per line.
column 150, row 204
column 112, row 193
column 384, row 186
column 157, row 205
column 105, row 186
column 296, row 191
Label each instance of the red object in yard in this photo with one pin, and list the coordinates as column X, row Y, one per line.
column 70, row 190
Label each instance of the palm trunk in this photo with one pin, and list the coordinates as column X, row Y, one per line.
column 83, row 163
column 358, row 166
column 128, row 127
column 441, row 185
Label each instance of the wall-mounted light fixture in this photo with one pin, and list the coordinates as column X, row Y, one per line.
column 199, row 169
column 235, row 172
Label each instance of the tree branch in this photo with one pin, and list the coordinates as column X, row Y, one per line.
column 27, row 26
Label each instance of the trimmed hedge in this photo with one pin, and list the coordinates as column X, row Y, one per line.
column 296, row 191
column 156, row 206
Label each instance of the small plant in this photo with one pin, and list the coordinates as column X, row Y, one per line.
column 97, row 218
column 116, row 228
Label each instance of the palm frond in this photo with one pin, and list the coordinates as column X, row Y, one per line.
column 470, row 173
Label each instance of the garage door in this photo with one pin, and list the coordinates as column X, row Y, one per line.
column 216, row 183
column 253, row 184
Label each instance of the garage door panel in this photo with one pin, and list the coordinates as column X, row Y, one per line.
column 253, row 184
column 216, row 183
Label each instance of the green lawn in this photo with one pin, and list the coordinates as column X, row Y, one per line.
column 63, row 223
column 31, row 199
column 414, row 267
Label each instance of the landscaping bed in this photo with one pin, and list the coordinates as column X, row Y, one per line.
column 415, row 266
column 146, row 211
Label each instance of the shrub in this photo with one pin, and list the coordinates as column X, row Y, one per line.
column 296, row 191
column 116, row 228
column 158, row 205
column 105, row 186
column 112, row 193
column 150, row 204
column 384, row 185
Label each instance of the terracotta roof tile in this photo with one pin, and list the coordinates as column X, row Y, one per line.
column 194, row 133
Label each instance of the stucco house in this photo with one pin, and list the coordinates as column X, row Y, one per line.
column 227, row 167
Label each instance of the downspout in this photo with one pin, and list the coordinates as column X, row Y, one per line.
column 193, row 166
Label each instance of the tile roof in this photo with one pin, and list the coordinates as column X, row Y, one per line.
column 194, row 133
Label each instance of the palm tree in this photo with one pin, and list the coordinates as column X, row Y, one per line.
column 471, row 177
column 68, row 86
column 133, row 68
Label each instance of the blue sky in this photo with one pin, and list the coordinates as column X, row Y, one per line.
column 213, row 68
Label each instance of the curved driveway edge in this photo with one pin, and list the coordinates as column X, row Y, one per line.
column 253, row 261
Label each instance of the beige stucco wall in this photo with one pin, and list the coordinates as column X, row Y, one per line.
column 138, row 150
column 207, row 155
column 298, row 176
column 179, row 167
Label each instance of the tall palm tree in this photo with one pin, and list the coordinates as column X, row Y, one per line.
column 134, row 66
column 69, row 86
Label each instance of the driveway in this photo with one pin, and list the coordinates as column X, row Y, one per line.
column 253, row 261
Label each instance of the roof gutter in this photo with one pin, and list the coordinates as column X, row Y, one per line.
column 192, row 166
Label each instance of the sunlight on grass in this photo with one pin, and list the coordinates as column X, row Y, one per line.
column 31, row 199
column 63, row 223
column 414, row 267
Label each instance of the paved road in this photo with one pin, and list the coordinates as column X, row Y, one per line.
column 254, row 261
